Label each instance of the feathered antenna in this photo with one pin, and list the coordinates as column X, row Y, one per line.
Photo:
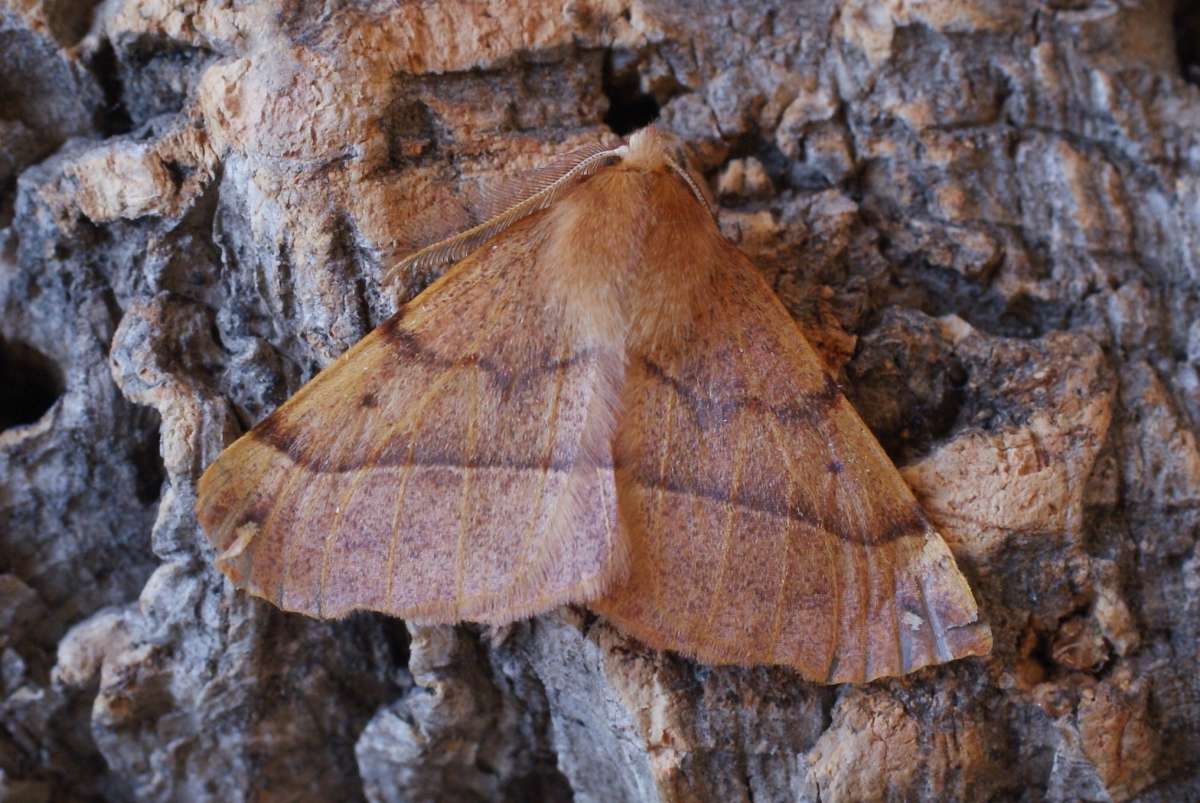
column 692, row 185
column 544, row 190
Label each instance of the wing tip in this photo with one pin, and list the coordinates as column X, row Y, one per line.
column 938, row 624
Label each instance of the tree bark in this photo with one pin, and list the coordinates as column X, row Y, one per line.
column 986, row 214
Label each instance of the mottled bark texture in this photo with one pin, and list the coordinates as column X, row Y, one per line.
column 986, row 213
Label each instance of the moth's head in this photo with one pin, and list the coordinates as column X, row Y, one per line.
column 648, row 150
column 654, row 150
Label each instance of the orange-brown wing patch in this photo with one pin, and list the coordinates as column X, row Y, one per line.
column 766, row 524
column 444, row 468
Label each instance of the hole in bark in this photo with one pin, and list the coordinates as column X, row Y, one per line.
column 113, row 118
column 30, row 383
column 411, row 131
column 550, row 786
column 148, row 464
column 629, row 108
column 1187, row 40
column 177, row 172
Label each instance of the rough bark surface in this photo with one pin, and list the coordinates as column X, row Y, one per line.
column 987, row 213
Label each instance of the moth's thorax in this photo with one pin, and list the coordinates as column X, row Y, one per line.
column 631, row 247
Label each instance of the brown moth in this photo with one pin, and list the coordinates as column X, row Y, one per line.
column 602, row 402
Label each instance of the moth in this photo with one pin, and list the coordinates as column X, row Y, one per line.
column 601, row 402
